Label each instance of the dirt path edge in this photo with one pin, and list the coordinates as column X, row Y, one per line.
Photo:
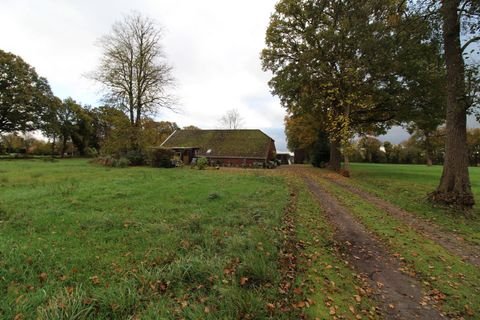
column 451, row 242
column 399, row 295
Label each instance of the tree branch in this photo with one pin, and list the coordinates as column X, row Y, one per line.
column 469, row 42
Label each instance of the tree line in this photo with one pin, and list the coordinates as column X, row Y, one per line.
column 413, row 150
column 135, row 79
column 348, row 68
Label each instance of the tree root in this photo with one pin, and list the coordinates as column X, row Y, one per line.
column 458, row 201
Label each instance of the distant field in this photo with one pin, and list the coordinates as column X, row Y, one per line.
column 408, row 185
column 421, row 176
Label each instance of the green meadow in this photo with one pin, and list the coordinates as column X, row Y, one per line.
column 82, row 241
column 407, row 186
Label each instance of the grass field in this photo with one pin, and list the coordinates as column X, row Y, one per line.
column 408, row 185
column 79, row 241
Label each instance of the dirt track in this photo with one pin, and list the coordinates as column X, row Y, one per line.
column 451, row 242
column 399, row 295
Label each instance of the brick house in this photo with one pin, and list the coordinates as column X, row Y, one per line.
column 235, row 148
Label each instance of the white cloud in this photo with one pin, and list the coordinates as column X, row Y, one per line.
column 213, row 45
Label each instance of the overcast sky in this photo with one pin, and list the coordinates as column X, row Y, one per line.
column 213, row 46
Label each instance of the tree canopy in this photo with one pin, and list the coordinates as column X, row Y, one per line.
column 354, row 66
column 24, row 95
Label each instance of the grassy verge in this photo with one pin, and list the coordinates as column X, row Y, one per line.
column 79, row 241
column 407, row 187
column 452, row 283
column 328, row 286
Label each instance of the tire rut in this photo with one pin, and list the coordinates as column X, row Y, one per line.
column 399, row 295
column 451, row 242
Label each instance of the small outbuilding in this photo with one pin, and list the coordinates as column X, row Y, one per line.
column 284, row 158
column 230, row 148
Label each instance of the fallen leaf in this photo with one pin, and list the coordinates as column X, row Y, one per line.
column 95, row 280
column 469, row 310
column 43, row 277
column 332, row 311
column 297, row 290
column 270, row 306
column 243, row 280
column 18, row 316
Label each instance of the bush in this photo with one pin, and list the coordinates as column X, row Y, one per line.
column 91, row 152
column 109, row 161
column 160, row 158
column 202, row 163
column 106, row 161
column 136, row 157
column 121, row 163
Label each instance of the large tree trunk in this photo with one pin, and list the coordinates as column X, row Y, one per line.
column 335, row 156
column 454, row 188
column 53, row 145
column 346, row 160
column 346, row 163
column 428, row 150
column 429, row 160
column 64, row 146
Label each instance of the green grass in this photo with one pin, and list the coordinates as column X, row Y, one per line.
column 407, row 187
column 437, row 268
column 82, row 241
column 325, row 279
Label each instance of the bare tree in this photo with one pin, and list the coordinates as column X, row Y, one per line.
column 231, row 120
column 133, row 70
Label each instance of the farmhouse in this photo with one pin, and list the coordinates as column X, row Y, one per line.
column 236, row 148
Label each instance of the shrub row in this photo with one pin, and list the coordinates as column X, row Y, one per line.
column 109, row 161
column 158, row 157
